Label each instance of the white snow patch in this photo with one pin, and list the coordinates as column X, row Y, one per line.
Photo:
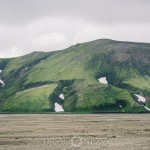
column 26, row 68
column 146, row 108
column 41, row 60
column 103, row 80
column 140, row 98
column 62, row 96
column 58, row 108
column 3, row 84
column 120, row 106
column 0, row 71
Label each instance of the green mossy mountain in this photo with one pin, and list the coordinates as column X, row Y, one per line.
column 34, row 82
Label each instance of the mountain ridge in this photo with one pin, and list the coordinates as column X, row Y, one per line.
column 74, row 72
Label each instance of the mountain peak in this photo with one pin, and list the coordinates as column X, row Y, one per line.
column 102, row 41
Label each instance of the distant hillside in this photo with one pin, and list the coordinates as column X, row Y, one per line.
column 34, row 82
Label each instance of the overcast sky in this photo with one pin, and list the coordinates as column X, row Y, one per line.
column 47, row 25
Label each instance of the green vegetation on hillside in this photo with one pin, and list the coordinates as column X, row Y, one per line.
column 75, row 72
column 31, row 100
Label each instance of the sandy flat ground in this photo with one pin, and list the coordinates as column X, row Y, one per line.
column 70, row 131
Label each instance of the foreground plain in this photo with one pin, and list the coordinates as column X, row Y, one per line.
column 75, row 131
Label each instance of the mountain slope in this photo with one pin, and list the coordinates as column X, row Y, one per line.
column 75, row 72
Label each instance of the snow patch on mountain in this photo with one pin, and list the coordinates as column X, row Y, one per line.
column 103, row 80
column 140, row 98
column 1, row 81
column 62, row 96
column 58, row 108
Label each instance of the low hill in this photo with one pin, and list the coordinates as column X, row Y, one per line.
column 34, row 82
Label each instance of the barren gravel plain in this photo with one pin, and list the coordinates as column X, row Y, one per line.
column 75, row 131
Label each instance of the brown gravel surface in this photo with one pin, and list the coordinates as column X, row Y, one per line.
column 75, row 131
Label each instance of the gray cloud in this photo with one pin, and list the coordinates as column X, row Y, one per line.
column 31, row 25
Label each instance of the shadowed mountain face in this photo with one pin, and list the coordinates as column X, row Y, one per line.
column 34, row 82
